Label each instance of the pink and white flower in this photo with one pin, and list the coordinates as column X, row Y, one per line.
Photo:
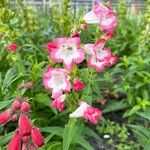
column 98, row 50
column 68, row 51
column 58, row 103
column 103, row 15
column 98, row 65
column 100, row 57
column 88, row 112
column 57, row 81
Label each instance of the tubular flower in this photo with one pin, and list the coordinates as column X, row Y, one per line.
column 5, row 116
column 103, row 15
column 67, row 51
column 100, row 57
column 57, row 81
column 86, row 111
column 15, row 143
column 24, row 125
column 59, row 102
column 37, row 137
column 78, row 85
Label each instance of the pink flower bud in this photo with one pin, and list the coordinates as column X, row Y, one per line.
column 78, row 85
column 27, row 85
column 25, row 107
column 37, row 137
column 84, row 26
column 24, row 125
column 75, row 34
column 5, row 116
column 16, row 104
column 12, row 47
column 15, row 143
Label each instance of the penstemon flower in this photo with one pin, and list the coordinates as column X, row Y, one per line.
column 68, row 51
column 59, row 103
column 88, row 112
column 100, row 57
column 15, row 143
column 57, row 81
column 103, row 15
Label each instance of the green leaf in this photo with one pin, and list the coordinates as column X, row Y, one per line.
column 5, row 138
column 142, row 129
column 68, row 134
column 147, row 145
column 90, row 132
column 115, row 106
column 82, row 142
column 132, row 111
column 145, row 114
column 11, row 74
column 55, row 146
column 4, row 104
column 57, row 130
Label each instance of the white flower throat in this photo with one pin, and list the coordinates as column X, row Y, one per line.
column 68, row 49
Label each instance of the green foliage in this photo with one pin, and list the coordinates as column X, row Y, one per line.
column 119, row 135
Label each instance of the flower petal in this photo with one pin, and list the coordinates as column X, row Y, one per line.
column 80, row 56
column 89, row 49
column 91, row 18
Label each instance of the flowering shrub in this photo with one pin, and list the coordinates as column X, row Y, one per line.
column 69, row 80
column 69, row 52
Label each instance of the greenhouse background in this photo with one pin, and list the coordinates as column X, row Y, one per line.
column 79, row 4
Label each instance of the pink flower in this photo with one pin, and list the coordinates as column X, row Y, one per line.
column 78, row 85
column 100, row 56
column 12, row 47
column 103, row 15
column 92, row 114
column 56, row 80
column 24, row 125
column 15, row 143
column 86, row 111
column 37, row 137
column 25, row 139
column 98, row 65
column 98, row 50
column 113, row 60
column 67, row 51
column 59, row 103
column 25, row 107
column 50, row 46
column 5, row 116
